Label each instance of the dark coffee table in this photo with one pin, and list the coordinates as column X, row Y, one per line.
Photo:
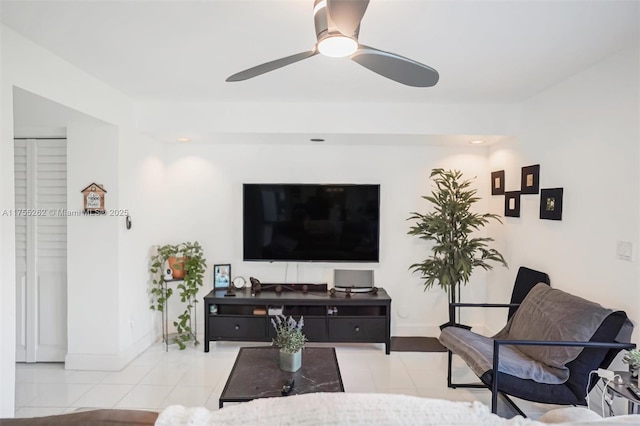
column 256, row 374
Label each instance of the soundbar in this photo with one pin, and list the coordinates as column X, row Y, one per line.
column 257, row 287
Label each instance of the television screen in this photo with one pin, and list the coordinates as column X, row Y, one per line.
column 313, row 223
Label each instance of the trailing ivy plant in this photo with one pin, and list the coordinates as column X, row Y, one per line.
column 194, row 265
column 455, row 254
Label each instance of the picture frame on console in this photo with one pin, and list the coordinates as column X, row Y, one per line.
column 221, row 276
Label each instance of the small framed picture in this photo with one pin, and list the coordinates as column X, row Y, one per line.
column 530, row 181
column 512, row 203
column 551, row 203
column 497, row 182
column 221, row 276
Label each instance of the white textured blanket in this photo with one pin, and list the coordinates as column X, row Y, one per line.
column 369, row 409
column 363, row 409
column 339, row 409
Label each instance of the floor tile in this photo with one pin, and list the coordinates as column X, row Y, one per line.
column 203, row 377
column 145, row 396
column 164, row 375
column 358, row 383
column 38, row 411
column 103, row 396
column 391, row 377
column 130, row 375
column 59, row 394
column 26, row 392
column 158, row 378
column 42, row 373
column 86, row 376
column 189, row 396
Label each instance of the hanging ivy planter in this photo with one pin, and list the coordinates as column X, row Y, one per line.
column 190, row 266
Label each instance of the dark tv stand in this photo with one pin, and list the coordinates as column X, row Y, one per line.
column 362, row 317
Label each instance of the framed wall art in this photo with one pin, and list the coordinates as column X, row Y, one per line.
column 221, row 276
column 551, row 203
column 512, row 203
column 530, row 181
column 497, row 182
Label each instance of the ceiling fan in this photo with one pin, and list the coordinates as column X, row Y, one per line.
column 337, row 25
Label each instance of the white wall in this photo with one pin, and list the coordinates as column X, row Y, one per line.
column 7, row 251
column 143, row 195
column 92, row 245
column 206, row 118
column 585, row 134
column 29, row 67
column 204, row 203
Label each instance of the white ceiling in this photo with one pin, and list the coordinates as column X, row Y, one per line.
column 485, row 51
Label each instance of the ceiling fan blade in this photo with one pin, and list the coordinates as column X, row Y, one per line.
column 270, row 66
column 396, row 67
column 347, row 14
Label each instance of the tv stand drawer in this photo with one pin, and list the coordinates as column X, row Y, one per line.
column 221, row 327
column 356, row 329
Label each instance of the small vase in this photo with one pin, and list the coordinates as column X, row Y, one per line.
column 177, row 266
column 290, row 362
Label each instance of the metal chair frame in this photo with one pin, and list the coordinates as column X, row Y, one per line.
column 497, row 343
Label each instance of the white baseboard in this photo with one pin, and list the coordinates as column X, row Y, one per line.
column 108, row 362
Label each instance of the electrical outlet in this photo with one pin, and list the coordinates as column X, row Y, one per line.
column 624, row 250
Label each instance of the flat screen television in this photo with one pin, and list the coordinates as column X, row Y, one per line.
column 311, row 222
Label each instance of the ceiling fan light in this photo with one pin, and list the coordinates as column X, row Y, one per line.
column 337, row 46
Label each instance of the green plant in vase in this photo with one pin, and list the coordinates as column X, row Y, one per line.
column 632, row 358
column 192, row 262
column 455, row 254
column 290, row 339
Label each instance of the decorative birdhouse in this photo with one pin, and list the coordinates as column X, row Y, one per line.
column 94, row 198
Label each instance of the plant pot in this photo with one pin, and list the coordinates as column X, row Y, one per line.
column 290, row 362
column 177, row 266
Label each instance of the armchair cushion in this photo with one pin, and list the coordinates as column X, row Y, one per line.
column 546, row 314
column 477, row 352
column 550, row 314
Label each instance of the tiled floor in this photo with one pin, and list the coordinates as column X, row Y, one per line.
column 157, row 379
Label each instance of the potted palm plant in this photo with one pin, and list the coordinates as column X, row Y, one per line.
column 290, row 339
column 455, row 253
column 192, row 264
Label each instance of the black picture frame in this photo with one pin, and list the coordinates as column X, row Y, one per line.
column 221, row 276
column 551, row 203
column 497, row 182
column 512, row 203
column 530, row 179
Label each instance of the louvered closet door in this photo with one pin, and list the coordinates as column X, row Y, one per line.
column 41, row 251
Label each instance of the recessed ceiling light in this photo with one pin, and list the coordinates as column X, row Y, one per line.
column 317, row 140
column 476, row 142
column 183, row 139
